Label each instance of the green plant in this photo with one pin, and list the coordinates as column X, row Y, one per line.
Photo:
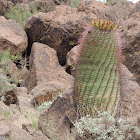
column 111, row 2
column 5, row 58
column 35, row 123
column 6, row 113
column 75, row 3
column 97, row 86
column 106, row 127
column 20, row 15
column 44, row 105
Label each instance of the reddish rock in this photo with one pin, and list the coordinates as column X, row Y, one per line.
column 72, row 56
column 12, row 37
column 44, row 67
column 46, row 6
column 24, row 75
column 29, row 128
column 130, row 94
column 99, row 9
column 131, row 44
column 4, row 129
column 47, row 91
column 38, row 135
column 57, row 122
column 24, row 99
column 60, row 29
column 135, row 9
column 122, row 9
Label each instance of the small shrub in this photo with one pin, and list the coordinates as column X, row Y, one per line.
column 35, row 123
column 5, row 58
column 6, row 114
column 106, row 127
column 20, row 15
column 44, row 105
column 75, row 3
column 111, row 2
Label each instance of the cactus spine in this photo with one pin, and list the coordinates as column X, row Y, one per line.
column 97, row 84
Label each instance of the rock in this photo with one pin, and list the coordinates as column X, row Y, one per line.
column 24, row 99
column 10, row 97
column 5, row 86
column 39, row 136
column 20, row 134
column 122, row 9
column 62, row 2
column 29, row 128
column 44, row 67
column 99, row 9
column 60, row 29
column 4, row 129
column 21, row 91
column 130, row 94
column 12, row 37
column 130, row 34
column 17, row 1
column 57, row 29
column 46, row 6
column 24, row 75
column 47, row 92
column 72, row 56
column 57, row 122
column 3, row 6
column 22, row 116
column 135, row 9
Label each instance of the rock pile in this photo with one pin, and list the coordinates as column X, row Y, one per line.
column 48, row 47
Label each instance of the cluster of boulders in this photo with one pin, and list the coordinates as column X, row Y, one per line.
column 50, row 42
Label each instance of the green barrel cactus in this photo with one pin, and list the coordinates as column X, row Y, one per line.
column 97, row 78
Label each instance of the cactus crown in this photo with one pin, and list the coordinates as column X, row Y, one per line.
column 97, row 86
column 104, row 24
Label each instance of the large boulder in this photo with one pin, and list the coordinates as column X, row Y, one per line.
column 122, row 9
column 130, row 94
column 131, row 44
column 135, row 9
column 12, row 37
column 58, row 121
column 60, row 29
column 44, row 67
column 99, row 9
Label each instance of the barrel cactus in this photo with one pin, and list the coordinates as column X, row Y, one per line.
column 97, row 73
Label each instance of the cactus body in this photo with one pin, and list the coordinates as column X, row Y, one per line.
column 97, row 86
